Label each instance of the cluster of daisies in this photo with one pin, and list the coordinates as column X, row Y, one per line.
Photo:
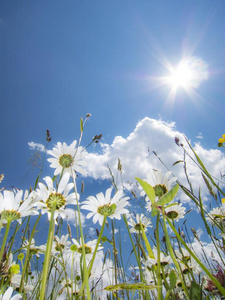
column 59, row 192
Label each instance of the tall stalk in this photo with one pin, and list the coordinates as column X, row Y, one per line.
column 48, row 253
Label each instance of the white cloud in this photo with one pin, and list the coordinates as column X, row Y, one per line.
column 136, row 155
column 72, row 218
column 199, row 136
column 36, row 146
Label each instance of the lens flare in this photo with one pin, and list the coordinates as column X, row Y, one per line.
column 189, row 73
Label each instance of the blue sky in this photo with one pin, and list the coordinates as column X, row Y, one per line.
column 63, row 59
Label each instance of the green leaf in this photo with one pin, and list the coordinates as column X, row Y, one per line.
column 154, row 212
column 81, row 125
column 148, row 189
column 148, row 247
column 169, row 196
column 173, row 279
column 195, row 291
column 130, row 286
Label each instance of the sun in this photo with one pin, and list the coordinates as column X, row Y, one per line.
column 182, row 76
column 188, row 74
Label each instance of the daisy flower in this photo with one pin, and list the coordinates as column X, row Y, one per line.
column 175, row 212
column 13, row 207
column 216, row 216
column 101, row 206
column 187, row 263
column 160, row 184
column 135, row 225
column 34, row 250
column 89, row 247
column 67, row 158
column 164, row 260
column 8, row 295
column 48, row 196
column 61, row 244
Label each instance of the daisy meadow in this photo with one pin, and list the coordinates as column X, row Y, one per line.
column 101, row 206
column 68, row 159
column 49, row 195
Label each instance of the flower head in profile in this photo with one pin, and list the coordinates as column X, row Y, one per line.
column 34, row 250
column 187, row 263
column 61, row 245
column 104, row 206
column 165, row 260
column 216, row 217
column 59, row 197
column 160, row 184
column 13, row 207
column 175, row 212
column 88, row 246
column 68, row 159
column 136, row 223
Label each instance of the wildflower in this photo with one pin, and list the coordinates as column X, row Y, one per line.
column 89, row 248
column 187, row 263
column 67, row 158
column 175, row 212
column 8, row 295
column 209, row 284
column 217, row 216
column 49, row 196
column 164, row 260
column 135, row 225
column 105, row 206
column 12, row 207
column 221, row 141
column 34, row 250
column 61, row 244
column 160, row 184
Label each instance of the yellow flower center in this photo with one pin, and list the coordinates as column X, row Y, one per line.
column 57, row 199
column 106, row 209
column 10, row 215
column 66, row 160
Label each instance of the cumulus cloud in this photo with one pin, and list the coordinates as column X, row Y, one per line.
column 36, row 146
column 136, row 153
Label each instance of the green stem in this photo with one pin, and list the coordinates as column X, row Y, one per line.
column 159, row 279
column 28, row 254
column 85, row 271
column 136, row 255
column 48, row 253
column 5, row 238
column 94, row 254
